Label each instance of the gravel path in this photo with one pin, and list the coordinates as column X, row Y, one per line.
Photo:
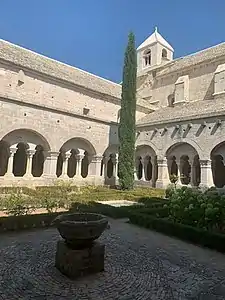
column 140, row 264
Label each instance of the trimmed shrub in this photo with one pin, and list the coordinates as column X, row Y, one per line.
column 195, row 235
column 14, row 223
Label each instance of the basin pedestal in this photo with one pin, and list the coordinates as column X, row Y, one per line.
column 79, row 262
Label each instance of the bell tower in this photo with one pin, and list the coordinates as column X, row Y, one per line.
column 153, row 52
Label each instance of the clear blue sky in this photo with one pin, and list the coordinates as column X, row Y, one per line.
column 92, row 34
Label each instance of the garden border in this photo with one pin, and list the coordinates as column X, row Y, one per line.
column 197, row 236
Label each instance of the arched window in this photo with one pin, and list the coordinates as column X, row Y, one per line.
column 164, row 53
column 147, row 58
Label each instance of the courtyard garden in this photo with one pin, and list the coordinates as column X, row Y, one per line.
column 189, row 214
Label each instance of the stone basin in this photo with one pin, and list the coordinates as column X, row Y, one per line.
column 79, row 230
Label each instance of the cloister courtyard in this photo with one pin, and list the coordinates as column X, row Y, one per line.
column 27, row 155
column 139, row 264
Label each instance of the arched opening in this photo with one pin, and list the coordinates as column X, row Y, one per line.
column 197, row 171
column 59, row 164
column 164, row 54
column 174, row 167
column 218, row 167
column 75, row 152
column 38, row 161
column 146, row 164
column 147, row 58
column 4, row 157
column 110, row 166
column 139, row 168
column 23, row 140
column 20, row 160
column 84, row 165
column 185, row 170
column 148, row 173
column 183, row 161
column 72, row 164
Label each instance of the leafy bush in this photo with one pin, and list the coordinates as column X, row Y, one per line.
column 17, row 204
column 170, row 190
column 26, row 221
column 196, row 208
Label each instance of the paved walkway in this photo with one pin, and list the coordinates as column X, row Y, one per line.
column 140, row 264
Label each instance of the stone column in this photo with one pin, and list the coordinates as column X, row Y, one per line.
column 163, row 174
column 50, row 164
column 96, row 162
column 30, row 154
column 179, row 170
column 65, row 165
column 105, row 164
column 79, row 158
column 193, row 172
column 206, row 173
column 143, row 169
column 115, row 165
column 154, row 170
column 9, row 171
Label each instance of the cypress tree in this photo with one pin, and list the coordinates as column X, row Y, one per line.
column 127, row 125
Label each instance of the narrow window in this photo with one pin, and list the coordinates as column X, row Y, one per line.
column 147, row 58
column 164, row 53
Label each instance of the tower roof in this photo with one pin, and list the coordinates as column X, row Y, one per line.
column 155, row 38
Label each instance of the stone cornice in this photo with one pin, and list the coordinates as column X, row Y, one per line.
column 182, row 119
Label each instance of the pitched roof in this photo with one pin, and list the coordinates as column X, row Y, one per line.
column 155, row 38
column 193, row 110
column 40, row 63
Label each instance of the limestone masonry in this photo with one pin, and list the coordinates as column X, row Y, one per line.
column 60, row 123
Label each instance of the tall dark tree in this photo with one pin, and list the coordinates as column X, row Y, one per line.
column 127, row 126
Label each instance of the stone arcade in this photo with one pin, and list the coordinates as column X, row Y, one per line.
column 60, row 123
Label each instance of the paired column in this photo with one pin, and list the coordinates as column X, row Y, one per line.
column 30, row 154
column 179, row 163
column 79, row 158
column 206, row 173
column 115, row 166
column 12, row 152
column 65, row 165
column 143, row 162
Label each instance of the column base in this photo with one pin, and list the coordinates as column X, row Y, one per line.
column 162, row 184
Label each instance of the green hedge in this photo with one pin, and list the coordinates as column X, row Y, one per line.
column 104, row 209
column 16, row 223
column 195, row 235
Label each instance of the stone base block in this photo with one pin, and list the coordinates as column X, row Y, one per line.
column 77, row 263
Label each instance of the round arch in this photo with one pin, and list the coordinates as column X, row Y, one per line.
column 145, row 162
column 147, row 143
column 78, row 143
column 183, row 160
column 184, row 141
column 216, row 144
column 217, row 156
column 26, row 136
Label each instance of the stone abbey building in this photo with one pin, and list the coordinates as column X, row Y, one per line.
column 60, row 123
